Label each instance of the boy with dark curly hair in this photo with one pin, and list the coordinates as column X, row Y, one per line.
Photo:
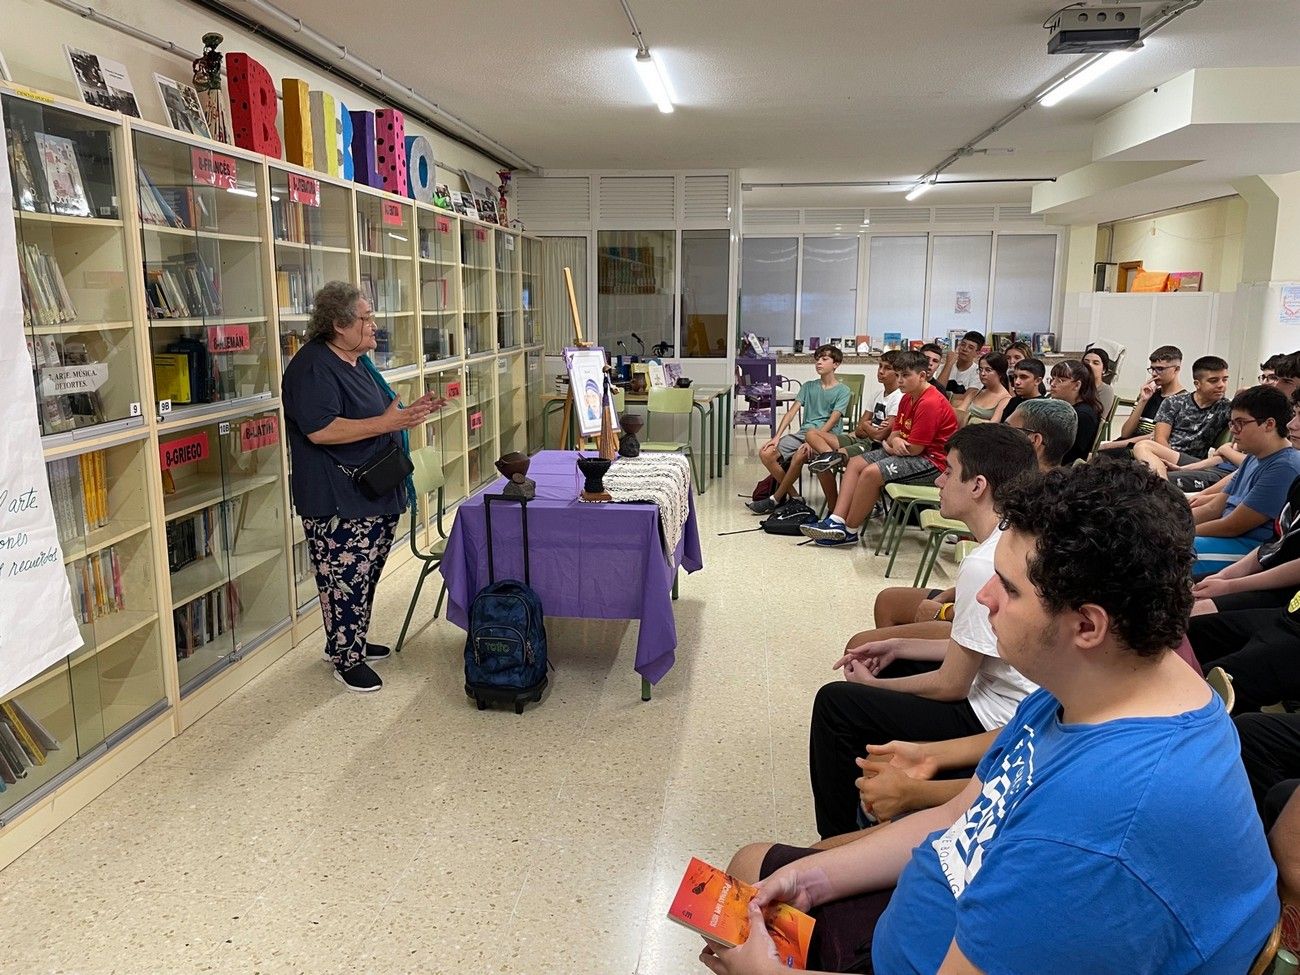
column 1084, row 839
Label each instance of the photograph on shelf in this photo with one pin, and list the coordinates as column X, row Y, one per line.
column 65, row 193
column 442, row 196
column 482, row 194
column 102, row 82
column 463, row 203
column 181, row 102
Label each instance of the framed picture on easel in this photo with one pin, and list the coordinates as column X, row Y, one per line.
column 586, row 368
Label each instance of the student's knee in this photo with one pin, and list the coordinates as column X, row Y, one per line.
column 769, row 452
column 873, row 475
column 748, row 862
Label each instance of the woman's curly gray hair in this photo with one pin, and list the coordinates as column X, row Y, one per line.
column 335, row 304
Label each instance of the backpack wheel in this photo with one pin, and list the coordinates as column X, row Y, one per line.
column 482, row 704
column 519, row 707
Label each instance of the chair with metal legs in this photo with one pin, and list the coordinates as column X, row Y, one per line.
column 428, row 479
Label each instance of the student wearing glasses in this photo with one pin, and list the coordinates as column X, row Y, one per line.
column 1166, row 381
column 1072, row 383
column 1232, row 523
column 1189, row 424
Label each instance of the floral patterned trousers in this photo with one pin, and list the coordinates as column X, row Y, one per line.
column 348, row 555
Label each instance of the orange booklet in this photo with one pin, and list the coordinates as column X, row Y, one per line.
column 716, row 905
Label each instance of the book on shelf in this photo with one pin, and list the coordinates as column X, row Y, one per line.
column 290, row 343
column 56, row 157
column 182, row 287
column 295, row 223
column 206, row 618
column 63, row 411
column 34, row 727
column 1001, row 341
column 212, row 531
column 12, row 752
column 184, row 373
column 433, row 294
column 46, row 300
column 192, row 206
column 716, row 905
column 1044, row 343
column 892, row 341
column 97, row 589
column 32, row 739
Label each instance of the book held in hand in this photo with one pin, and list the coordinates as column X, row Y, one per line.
column 715, row 904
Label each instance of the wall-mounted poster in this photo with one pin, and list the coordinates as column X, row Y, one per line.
column 102, row 82
column 182, row 104
column 587, row 381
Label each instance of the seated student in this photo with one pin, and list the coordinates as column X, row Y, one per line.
column 1098, row 360
column 1188, row 424
column 1026, row 384
column 971, row 691
column 1257, row 647
column 1268, row 370
column 991, row 396
column 1051, row 426
column 1017, row 352
column 822, row 405
column 960, row 370
column 1286, row 373
column 1072, row 384
column 1238, row 519
column 1224, row 460
column 914, row 448
column 1068, row 851
column 1166, row 381
column 933, row 353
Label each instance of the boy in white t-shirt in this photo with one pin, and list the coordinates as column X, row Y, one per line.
column 889, row 693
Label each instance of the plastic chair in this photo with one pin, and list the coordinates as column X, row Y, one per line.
column 673, row 402
column 904, row 499
column 964, row 549
column 856, row 382
column 428, row 478
column 1221, row 681
column 937, row 528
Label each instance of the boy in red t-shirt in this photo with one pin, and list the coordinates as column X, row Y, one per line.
column 915, row 447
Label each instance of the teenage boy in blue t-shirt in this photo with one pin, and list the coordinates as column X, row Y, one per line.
column 1085, row 839
column 820, row 405
column 1231, row 523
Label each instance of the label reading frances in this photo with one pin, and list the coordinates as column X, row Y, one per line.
column 185, row 450
column 214, row 169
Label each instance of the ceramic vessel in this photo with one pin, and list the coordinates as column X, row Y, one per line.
column 593, row 470
column 628, row 444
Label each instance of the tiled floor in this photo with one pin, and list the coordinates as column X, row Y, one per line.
column 298, row 828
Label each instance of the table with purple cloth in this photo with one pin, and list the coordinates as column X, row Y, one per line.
column 594, row 561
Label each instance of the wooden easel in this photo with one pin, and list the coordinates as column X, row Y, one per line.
column 607, row 442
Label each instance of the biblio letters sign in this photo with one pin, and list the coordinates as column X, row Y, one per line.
column 185, row 450
column 304, row 190
column 228, row 338
column 264, row 431
column 214, row 169
column 37, row 626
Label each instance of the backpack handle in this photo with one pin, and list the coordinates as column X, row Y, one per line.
column 487, row 517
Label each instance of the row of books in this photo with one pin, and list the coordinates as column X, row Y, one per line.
column 46, row 300
column 370, row 232
column 435, row 246
column 296, row 223
column 25, row 743
column 66, row 411
column 205, row 533
column 183, row 287
column 290, row 343
column 97, row 585
column 79, row 492
column 295, row 286
column 183, row 206
column 47, row 172
column 203, row 620
column 386, row 294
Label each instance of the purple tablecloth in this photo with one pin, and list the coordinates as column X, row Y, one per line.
column 599, row 561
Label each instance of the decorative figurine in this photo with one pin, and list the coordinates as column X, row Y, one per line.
column 593, row 470
column 207, row 80
column 502, row 203
column 628, row 444
column 514, row 467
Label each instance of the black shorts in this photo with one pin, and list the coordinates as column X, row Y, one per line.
column 841, row 940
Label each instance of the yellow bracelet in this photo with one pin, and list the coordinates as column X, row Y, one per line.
column 945, row 613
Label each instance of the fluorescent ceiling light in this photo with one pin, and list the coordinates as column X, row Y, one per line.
column 918, row 189
column 655, row 81
column 1082, row 79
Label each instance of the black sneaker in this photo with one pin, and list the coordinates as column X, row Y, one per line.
column 763, row 506
column 832, row 460
column 359, row 678
column 377, row 651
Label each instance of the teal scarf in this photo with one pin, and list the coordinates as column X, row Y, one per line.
column 406, row 438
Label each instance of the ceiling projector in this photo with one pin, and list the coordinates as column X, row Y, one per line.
column 1093, row 30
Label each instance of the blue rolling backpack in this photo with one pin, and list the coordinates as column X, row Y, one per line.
column 505, row 648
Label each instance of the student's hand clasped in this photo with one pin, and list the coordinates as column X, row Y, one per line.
column 757, row 956
column 1210, row 587
column 885, row 791
column 864, row 662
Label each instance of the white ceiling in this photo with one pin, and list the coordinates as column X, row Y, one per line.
column 825, row 90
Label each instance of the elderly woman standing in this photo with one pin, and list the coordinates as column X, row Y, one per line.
column 342, row 417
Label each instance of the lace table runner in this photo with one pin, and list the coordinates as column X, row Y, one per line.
column 664, row 479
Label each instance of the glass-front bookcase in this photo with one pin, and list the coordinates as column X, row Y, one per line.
column 534, row 384
column 480, row 421
column 440, row 302
column 530, row 299
column 477, row 278
column 385, row 228
column 445, row 430
column 311, row 221
column 223, row 501
column 204, row 253
column 67, row 189
column 506, row 257
column 512, row 403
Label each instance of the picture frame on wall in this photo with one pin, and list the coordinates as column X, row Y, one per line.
column 181, row 103
column 586, row 368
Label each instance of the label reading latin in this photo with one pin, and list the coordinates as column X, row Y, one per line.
column 214, row 169
column 392, row 213
column 185, row 450
column 62, row 380
column 263, row 431
column 304, row 189
column 228, row 338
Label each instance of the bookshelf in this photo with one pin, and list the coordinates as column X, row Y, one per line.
column 534, row 389
column 182, row 262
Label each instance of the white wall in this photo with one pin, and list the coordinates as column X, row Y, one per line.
column 35, row 31
column 1207, row 237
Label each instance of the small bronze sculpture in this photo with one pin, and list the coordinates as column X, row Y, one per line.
column 514, row 467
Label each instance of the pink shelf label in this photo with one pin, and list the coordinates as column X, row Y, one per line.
column 480, row 233
column 228, row 338
column 392, row 213
column 453, row 390
column 475, row 420
column 264, row 431
column 214, row 169
column 442, row 224
column 304, row 189
column 186, row 450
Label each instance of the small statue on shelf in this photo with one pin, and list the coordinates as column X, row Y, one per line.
column 207, row 80
column 502, row 212
column 628, row 444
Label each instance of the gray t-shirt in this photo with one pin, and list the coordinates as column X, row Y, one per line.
column 1193, row 429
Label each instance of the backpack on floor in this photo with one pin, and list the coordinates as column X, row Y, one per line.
column 786, row 519
column 764, row 489
column 505, row 645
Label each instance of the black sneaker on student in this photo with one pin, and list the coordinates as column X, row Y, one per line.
column 359, row 678
column 832, row 460
column 763, row 506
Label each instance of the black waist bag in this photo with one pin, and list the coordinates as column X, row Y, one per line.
column 382, row 473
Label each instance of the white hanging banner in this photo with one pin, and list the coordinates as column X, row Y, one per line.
column 37, row 626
